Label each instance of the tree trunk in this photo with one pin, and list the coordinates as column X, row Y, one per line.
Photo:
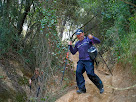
column 23, row 16
column 62, row 27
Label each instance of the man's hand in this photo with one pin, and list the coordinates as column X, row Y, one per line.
column 30, row 81
column 90, row 36
column 70, row 43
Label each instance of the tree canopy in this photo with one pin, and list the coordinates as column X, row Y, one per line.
column 33, row 29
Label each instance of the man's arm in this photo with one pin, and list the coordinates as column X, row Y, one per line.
column 72, row 50
column 94, row 39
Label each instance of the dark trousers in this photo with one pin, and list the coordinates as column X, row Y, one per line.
column 88, row 66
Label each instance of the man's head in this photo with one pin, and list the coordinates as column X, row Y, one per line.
column 80, row 34
column 37, row 71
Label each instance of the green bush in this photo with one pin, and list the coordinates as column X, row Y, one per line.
column 21, row 97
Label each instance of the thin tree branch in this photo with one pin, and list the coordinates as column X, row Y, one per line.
column 128, row 3
column 84, row 25
column 121, row 89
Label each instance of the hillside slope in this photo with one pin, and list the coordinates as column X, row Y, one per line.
column 14, row 80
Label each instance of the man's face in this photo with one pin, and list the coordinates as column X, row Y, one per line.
column 80, row 36
column 37, row 72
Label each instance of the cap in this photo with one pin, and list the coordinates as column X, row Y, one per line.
column 79, row 31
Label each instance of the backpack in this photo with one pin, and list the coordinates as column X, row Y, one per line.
column 92, row 52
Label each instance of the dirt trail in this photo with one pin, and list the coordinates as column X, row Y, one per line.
column 122, row 78
column 92, row 94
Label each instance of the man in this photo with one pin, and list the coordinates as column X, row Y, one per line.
column 36, row 80
column 85, row 63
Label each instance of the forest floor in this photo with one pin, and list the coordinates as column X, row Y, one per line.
column 122, row 78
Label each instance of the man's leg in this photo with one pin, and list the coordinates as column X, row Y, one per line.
column 79, row 76
column 89, row 67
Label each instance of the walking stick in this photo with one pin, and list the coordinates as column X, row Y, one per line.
column 38, row 91
column 105, row 63
column 65, row 64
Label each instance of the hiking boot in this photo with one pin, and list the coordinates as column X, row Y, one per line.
column 81, row 91
column 101, row 91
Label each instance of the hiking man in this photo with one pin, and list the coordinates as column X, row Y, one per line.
column 36, row 81
column 85, row 63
